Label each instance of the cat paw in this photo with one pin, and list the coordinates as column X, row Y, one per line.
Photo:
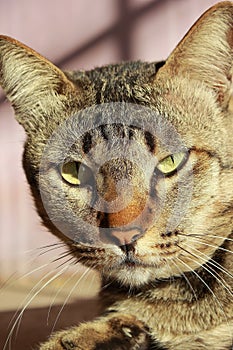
column 117, row 333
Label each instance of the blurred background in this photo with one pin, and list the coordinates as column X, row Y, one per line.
column 74, row 34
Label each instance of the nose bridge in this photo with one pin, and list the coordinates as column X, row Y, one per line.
column 129, row 213
column 111, row 191
column 123, row 192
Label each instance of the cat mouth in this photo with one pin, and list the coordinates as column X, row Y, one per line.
column 131, row 262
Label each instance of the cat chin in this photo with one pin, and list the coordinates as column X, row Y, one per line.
column 133, row 277
column 137, row 276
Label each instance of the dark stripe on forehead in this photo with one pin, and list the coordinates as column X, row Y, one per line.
column 108, row 131
column 87, row 142
column 121, row 131
column 150, row 141
column 103, row 131
column 132, row 131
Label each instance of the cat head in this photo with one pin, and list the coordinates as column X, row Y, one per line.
column 131, row 164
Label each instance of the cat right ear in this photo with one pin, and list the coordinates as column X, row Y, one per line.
column 205, row 54
column 35, row 87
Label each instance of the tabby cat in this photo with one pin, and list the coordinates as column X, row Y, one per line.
column 131, row 165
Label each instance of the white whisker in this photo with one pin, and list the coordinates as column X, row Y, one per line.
column 209, row 235
column 186, row 278
column 201, row 279
column 68, row 296
column 211, row 261
column 57, row 293
column 205, row 284
column 17, row 276
column 211, row 271
column 18, row 318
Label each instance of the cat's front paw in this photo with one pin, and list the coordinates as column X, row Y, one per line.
column 116, row 333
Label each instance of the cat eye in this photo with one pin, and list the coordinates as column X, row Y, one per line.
column 77, row 173
column 171, row 163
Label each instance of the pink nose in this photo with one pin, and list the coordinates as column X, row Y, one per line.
column 126, row 237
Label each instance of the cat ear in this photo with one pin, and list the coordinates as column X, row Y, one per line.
column 206, row 53
column 34, row 85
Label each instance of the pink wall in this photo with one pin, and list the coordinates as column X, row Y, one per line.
column 55, row 29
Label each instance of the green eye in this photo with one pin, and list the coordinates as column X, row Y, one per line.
column 171, row 163
column 77, row 173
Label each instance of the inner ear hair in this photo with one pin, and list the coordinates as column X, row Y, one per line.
column 29, row 79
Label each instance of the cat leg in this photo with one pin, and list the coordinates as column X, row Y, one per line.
column 119, row 332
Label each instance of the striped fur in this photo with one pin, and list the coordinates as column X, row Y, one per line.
column 164, row 288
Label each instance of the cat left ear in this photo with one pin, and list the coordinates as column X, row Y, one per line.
column 33, row 84
column 206, row 54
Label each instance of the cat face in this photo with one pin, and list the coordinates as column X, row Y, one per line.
column 136, row 202
column 129, row 164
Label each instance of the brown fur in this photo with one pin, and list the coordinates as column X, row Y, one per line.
column 175, row 291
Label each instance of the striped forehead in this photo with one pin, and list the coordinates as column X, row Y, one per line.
column 109, row 132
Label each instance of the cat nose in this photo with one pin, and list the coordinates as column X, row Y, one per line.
column 126, row 237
